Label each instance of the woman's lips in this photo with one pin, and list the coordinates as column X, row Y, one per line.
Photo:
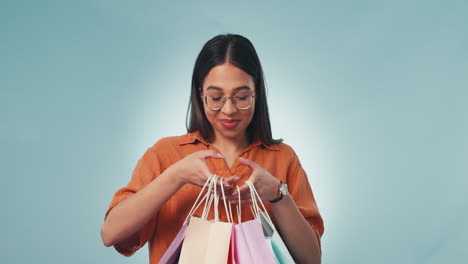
column 229, row 123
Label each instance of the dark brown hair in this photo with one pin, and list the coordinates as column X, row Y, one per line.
column 240, row 52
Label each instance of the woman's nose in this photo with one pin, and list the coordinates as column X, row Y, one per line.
column 228, row 107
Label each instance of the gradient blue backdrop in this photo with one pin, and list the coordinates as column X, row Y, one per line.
column 371, row 94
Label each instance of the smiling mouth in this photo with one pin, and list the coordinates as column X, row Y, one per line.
column 229, row 123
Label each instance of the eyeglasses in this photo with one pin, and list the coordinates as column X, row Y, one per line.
column 241, row 101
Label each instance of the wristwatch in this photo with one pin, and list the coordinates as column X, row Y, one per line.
column 283, row 191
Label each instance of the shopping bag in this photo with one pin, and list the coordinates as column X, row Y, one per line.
column 280, row 250
column 173, row 251
column 207, row 241
column 232, row 256
column 251, row 245
column 277, row 244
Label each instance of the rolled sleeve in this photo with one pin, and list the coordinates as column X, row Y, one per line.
column 301, row 192
column 146, row 170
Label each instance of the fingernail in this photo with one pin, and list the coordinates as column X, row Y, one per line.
column 219, row 154
column 236, row 178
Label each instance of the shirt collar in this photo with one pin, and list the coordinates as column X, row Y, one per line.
column 192, row 137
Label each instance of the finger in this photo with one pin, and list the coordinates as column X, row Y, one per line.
column 227, row 184
column 244, row 193
column 244, row 190
column 236, row 197
column 205, row 154
column 230, row 180
column 249, row 163
column 204, row 180
column 246, row 201
column 227, row 190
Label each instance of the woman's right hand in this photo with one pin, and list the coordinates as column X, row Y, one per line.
column 193, row 169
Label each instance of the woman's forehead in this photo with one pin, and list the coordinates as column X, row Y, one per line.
column 227, row 78
column 213, row 88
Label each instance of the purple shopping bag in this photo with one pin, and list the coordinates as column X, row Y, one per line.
column 251, row 245
column 173, row 251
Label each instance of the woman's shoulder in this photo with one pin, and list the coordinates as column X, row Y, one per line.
column 286, row 154
column 172, row 141
column 282, row 150
column 281, row 147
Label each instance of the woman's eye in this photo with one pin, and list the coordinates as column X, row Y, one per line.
column 241, row 97
column 216, row 98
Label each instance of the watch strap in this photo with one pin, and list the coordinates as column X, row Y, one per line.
column 281, row 196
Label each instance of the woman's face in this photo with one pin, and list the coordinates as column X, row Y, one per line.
column 228, row 80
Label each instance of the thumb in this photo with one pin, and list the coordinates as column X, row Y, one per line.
column 231, row 180
column 248, row 163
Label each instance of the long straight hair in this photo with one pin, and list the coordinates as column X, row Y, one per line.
column 240, row 52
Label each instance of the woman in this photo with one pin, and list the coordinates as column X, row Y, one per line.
column 229, row 135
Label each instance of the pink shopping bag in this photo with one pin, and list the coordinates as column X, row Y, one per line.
column 250, row 245
column 231, row 256
column 279, row 248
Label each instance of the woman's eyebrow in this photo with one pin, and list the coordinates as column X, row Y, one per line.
column 245, row 87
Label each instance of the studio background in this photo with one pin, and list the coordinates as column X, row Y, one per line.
column 372, row 95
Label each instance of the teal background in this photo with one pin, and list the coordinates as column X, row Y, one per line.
column 372, row 95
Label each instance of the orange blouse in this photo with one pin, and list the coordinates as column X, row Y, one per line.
column 280, row 160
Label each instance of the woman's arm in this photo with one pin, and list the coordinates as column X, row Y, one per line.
column 132, row 213
column 298, row 235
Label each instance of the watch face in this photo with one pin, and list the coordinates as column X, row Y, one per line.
column 284, row 189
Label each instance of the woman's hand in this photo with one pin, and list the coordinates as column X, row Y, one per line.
column 193, row 169
column 265, row 184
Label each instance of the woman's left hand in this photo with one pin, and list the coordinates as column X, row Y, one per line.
column 265, row 184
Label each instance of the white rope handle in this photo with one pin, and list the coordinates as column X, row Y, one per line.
column 206, row 209
column 216, row 200
column 254, row 193
column 228, row 212
column 254, row 208
column 210, row 197
column 195, row 205
column 238, row 205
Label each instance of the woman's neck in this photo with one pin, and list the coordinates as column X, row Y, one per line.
column 230, row 146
